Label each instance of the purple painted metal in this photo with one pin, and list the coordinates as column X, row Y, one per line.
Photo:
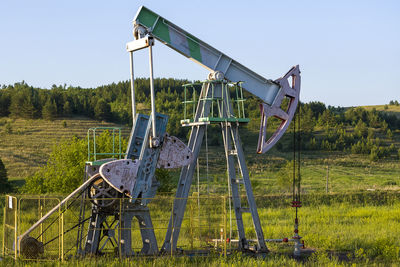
column 292, row 92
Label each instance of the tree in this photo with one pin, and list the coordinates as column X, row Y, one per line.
column 102, row 110
column 64, row 169
column 67, row 108
column 327, row 118
column 5, row 185
column 24, row 101
column 389, row 134
column 5, row 101
column 49, row 111
column 374, row 155
column 361, row 129
column 317, row 108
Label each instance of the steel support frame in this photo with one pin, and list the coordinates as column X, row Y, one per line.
column 232, row 148
column 97, row 230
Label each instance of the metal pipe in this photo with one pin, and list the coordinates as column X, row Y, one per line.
column 153, row 104
column 132, row 88
column 78, row 190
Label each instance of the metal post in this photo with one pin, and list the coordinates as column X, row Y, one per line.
column 62, row 236
column 224, row 209
column 132, row 88
column 172, row 229
column 16, row 241
column 120, row 229
column 152, row 96
column 40, row 208
column 4, row 228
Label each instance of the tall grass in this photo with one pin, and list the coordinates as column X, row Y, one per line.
column 345, row 229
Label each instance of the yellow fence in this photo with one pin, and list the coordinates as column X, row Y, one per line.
column 60, row 237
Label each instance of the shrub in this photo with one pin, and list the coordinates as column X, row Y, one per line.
column 65, row 167
column 8, row 128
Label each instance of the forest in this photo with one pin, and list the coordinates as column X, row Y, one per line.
column 326, row 128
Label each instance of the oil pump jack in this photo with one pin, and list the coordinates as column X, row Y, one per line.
column 150, row 147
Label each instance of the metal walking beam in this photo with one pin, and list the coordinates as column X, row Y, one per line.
column 149, row 24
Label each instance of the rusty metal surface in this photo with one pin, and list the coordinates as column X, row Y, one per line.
column 121, row 174
column 174, row 154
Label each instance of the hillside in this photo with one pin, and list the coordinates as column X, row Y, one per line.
column 361, row 145
column 29, row 143
column 390, row 109
column 26, row 144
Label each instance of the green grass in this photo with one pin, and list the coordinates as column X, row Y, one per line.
column 359, row 230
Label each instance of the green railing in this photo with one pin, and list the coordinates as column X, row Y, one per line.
column 94, row 155
column 233, row 90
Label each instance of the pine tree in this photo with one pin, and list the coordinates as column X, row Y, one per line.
column 5, row 185
column 102, row 110
column 49, row 111
column 67, row 108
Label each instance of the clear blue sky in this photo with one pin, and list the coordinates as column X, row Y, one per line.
column 348, row 51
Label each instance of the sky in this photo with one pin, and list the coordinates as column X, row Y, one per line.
column 348, row 51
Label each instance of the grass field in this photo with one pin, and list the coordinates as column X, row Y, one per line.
column 340, row 230
column 391, row 109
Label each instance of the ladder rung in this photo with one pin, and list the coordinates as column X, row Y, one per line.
column 245, row 209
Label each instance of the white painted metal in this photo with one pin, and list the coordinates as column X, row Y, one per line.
column 140, row 44
column 133, row 99
column 121, row 174
column 152, row 95
column 174, row 154
column 211, row 58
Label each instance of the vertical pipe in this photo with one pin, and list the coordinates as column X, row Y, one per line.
column 4, row 228
column 94, row 144
column 88, row 139
column 224, row 209
column 198, row 196
column 119, row 136
column 41, row 215
column 184, row 104
column 120, row 229
column 17, row 248
column 173, row 228
column 113, row 138
column 62, row 237
column 153, row 104
column 132, row 88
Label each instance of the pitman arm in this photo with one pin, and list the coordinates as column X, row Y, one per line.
column 147, row 23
